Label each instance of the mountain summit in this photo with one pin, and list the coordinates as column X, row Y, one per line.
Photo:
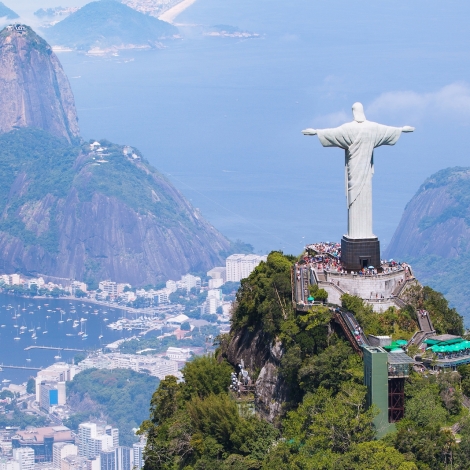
column 88, row 211
column 34, row 90
column 109, row 24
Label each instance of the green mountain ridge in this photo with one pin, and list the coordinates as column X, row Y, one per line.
column 70, row 212
column 106, row 24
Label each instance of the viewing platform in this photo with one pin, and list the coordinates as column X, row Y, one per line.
column 380, row 287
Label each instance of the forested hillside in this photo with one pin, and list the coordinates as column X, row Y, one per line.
column 119, row 396
column 320, row 420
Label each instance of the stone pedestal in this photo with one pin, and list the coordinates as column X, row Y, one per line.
column 360, row 253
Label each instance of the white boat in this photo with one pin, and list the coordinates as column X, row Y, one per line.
column 100, row 336
column 83, row 319
column 28, row 359
column 44, row 332
column 75, row 324
column 3, row 326
column 16, row 338
column 69, row 334
column 85, row 336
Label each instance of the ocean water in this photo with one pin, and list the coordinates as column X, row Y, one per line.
column 221, row 117
column 19, row 316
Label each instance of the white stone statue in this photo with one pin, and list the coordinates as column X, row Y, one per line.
column 359, row 138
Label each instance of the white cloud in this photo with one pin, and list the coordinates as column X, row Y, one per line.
column 451, row 101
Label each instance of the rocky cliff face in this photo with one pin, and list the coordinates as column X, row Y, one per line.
column 263, row 356
column 437, row 219
column 34, row 90
column 93, row 213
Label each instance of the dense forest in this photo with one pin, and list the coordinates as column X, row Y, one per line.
column 324, row 424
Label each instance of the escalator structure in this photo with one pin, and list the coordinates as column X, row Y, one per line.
column 351, row 329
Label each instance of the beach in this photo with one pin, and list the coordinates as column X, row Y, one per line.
column 170, row 15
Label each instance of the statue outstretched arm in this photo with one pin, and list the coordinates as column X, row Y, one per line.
column 407, row 129
column 309, row 132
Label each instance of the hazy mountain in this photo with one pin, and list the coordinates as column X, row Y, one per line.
column 34, row 90
column 6, row 12
column 434, row 234
column 89, row 212
column 106, row 24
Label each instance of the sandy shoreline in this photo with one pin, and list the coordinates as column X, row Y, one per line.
column 172, row 13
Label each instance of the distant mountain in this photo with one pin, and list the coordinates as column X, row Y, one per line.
column 34, row 90
column 70, row 209
column 434, row 235
column 106, row 24
column 6, row 12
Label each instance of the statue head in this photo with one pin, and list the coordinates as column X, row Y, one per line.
column 358, row 112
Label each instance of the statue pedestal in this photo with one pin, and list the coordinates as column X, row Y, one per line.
column 360, row 253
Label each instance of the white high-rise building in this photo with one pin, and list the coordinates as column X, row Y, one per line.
column 190, row 282
column 95, row 438
column 124, row 458
column 239, row 266
column 138, row 449
column 60, row 450
column 25, row 457
column 220, row 272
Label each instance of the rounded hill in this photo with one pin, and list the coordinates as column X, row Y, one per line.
column 107, row 24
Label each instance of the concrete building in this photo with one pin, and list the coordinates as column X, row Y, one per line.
column 94, row 438
column 14, row 279
column 138, row 457
column 51, row 393
column 58, row 372
column 60, row 450
column 211, row 305
column 215, row 283
column 188, row 282
column 9, row 464
column 171, row 286
column 41, row 440
column 219, row 272
column 239, row 266
column 110, row 288
column 108, row 459
column 25, row 457
column 74, row 462
column 77, row 285
column 124, row 458
column 178, row 354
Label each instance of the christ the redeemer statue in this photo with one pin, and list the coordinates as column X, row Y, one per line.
column 359, row 138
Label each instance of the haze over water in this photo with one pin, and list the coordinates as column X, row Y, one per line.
column 222, row 117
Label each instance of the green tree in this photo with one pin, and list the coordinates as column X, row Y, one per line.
column 325, row 422
column 373, row 455
column 205, row 376
column 31, row 385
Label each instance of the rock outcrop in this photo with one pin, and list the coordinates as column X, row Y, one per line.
column 261, row 356
column 437, row 219
column 34, row 90
column 434, row 235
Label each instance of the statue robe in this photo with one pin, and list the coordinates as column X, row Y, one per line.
column 358, row 139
